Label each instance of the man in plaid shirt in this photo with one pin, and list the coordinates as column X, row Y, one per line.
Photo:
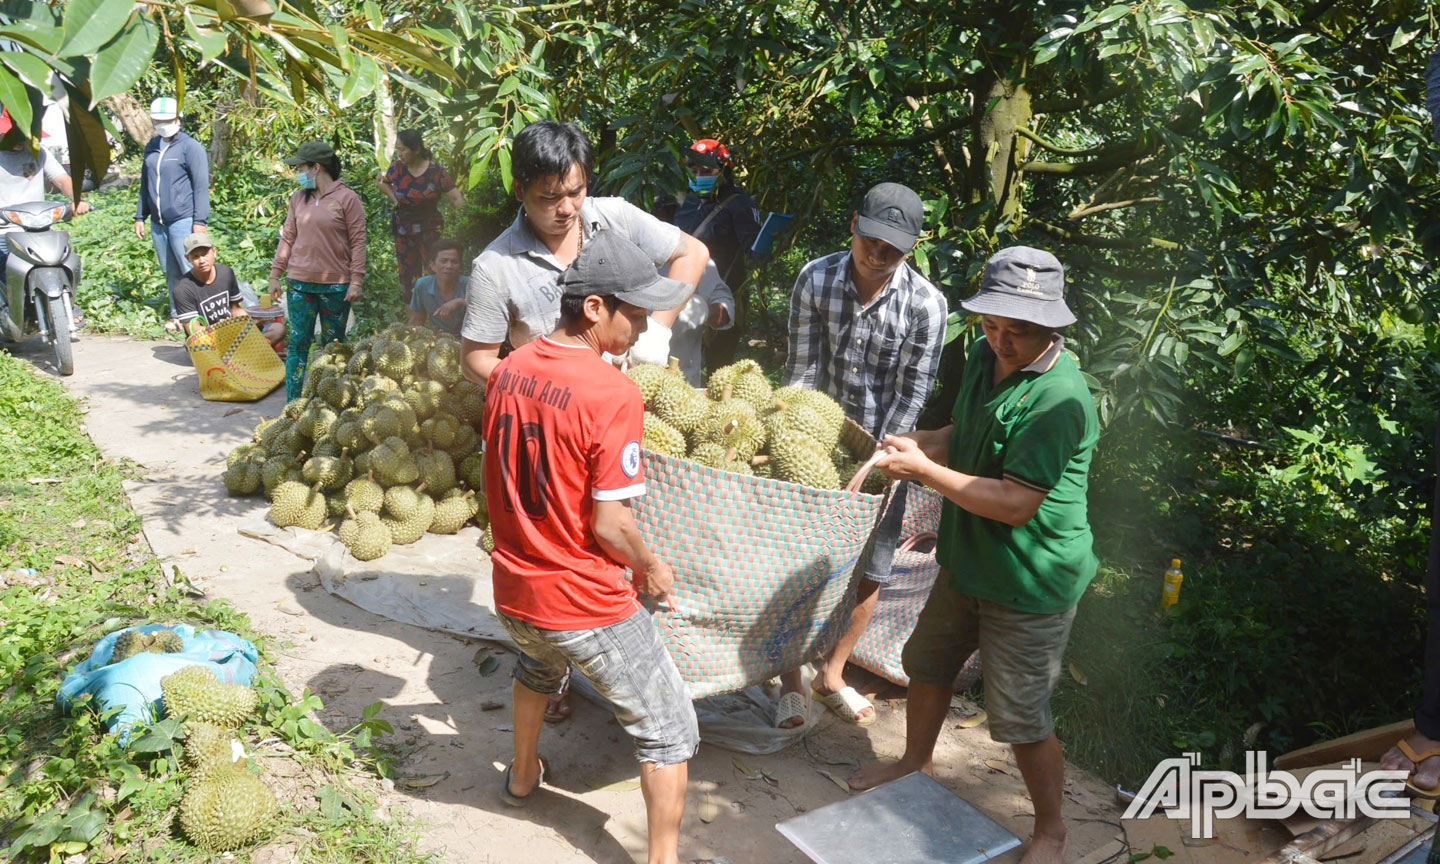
column 866, row 328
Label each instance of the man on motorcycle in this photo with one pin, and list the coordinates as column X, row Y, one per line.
column 23, row 176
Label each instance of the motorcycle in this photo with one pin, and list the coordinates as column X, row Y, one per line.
column 40, row 278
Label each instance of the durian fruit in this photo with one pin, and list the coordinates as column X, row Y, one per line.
column 437, row 471
column 396, row 360
column 380, row 422
column 195, row 693
column 243, row 451
column 166, row 642
column 829, row 410
column 803, row 417
column 294, row 408
column 680, row 405
column 364, row 495
column 331, row 472
column 798, row 458
column 278, row 469
column 206, row 746
column 127, row 645
column 662, row 437
column 245, row 477
column 409, row 529
column 487, row 540
column 649, row 378
column 365, row 535
column 440, row 430
column 746, row 380
column 472, row 471
column 299, row 505
column 467, row 401
column 718, row 456
column 228, row 809
column 443, row 362
column 466, row 442
column 734, row 423
column 453, row 511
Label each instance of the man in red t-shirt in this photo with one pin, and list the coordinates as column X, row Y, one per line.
column 562, row 442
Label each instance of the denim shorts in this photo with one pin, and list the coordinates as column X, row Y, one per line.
column 879, row 554
column 1021, row 652
column 628, row 664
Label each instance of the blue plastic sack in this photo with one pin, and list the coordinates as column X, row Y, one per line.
column 133, row 684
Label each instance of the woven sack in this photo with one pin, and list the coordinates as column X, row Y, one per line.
column 763, row 568
column 235, row 361
column 898, row 607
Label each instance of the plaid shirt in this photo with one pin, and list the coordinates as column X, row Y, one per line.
column 878, row 361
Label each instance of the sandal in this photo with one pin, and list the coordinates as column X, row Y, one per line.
column 848, row 703
column 1415, row 759
column 557, row 708
column 511, row 798
column 792, row 705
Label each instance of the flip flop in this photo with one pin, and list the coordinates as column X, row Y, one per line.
column 558, row 709
column 848, row 703
column 511, row 798
column 792, row 704
column 1415, row 759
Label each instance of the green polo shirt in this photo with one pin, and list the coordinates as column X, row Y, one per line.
column 1038, row 428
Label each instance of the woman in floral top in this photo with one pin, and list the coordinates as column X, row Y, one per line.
column 415, row 184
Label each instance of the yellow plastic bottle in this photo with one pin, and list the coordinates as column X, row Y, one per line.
column 1170, row 595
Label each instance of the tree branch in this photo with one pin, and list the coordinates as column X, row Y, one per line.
column 1082, row 211
column 1078, row 103
column 1056, row 148
column 932, row 134
column 1104, row 242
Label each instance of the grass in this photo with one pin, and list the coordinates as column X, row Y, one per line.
column 66, row 785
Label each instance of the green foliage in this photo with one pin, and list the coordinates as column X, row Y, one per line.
column 69, row 786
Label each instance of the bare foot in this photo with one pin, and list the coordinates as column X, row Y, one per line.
column 1045, row 849
column 878, row 773
column 1425, row 775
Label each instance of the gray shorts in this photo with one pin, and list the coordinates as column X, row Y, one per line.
column 1021, row 652
column 879, row 554
column 629, row 666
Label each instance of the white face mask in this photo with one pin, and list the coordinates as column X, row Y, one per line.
column 167, row 128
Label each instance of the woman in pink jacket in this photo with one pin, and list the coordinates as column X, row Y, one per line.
column 321, row 255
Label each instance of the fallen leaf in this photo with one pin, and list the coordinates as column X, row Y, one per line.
column 746, row 769
column 1078, row 674
column 188, row 552
column 708, row 810
column 423, row 782
column 1002, row 767
column 617, row 786
column 78, row 523
column 504, row 728
column 36, row 481
column 94, row 566
column 70, row 561
column 970, row 721
column 834, row 779
column 233, row 411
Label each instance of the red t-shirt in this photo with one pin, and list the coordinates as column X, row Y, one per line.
column 562, row 430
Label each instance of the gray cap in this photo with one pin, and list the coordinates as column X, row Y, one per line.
column 197, row 240
column 609, row 264
column 893, row 213
column 1023, row 283
column 311, row 151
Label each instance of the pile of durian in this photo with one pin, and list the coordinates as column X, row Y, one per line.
column 382, row 439
column 224, row 806
column 739, row 423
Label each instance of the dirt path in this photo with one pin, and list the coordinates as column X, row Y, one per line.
column 143, row 404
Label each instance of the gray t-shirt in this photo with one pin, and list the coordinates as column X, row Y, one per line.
column 425, row 297
column 512, row 284
column 23, row 176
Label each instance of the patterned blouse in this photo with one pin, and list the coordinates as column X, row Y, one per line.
column 417, row 199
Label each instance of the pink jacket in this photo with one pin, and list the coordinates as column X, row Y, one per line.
column 324, row 238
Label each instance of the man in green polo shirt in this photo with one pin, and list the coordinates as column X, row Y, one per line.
column 1015, row 543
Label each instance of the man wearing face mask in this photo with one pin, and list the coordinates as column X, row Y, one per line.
column 866, row 328
column 174, row 191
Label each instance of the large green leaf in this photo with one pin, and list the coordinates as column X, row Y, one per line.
column 364, row 73
column 16, row 99
column 89, row 24
column 31, row 69
column 121, row 62
column 89, row 149
column 210, row 40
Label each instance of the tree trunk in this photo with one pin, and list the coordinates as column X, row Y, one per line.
column 133, row 117
column 222, row 134
column 1001, row 151
column 384, row 121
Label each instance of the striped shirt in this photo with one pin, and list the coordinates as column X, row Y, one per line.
column 878, row 361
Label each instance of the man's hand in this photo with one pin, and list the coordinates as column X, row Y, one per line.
column 904, row 460
column 139, row 229
column 199, row 229
column 82, row 207
column 352, row 294
column 276, row 292
column 451, row 307
column 653, row 346
column 656, row 581
column 719, row 316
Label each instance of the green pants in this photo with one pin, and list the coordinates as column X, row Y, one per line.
column 305, row 301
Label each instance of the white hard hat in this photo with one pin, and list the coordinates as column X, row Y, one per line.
column 164, row 108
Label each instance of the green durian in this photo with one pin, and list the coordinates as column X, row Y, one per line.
column 801, row 459
column 196, row 694
column 228, row 809
column 365, row 535
column 364, row 495
column 453, row 511
column 663, row 438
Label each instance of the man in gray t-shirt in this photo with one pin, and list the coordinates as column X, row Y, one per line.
column 513, row 295
column 24, row 176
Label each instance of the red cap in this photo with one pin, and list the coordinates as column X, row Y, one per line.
column 710, row 152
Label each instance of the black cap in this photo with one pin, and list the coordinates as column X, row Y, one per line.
column 1023, row 283
column 893, row 213
column 311, row 151
column 609, row 264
